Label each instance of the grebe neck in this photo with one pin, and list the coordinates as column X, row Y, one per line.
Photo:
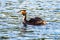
column 25, row 21
column 24, row 18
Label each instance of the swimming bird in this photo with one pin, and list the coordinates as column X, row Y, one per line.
column 32, row 21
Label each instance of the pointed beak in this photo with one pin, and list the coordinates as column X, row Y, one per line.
column 18, row 12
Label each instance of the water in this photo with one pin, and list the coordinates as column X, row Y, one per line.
column 11, row 27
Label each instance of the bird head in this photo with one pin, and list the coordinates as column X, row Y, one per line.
column 23, row 12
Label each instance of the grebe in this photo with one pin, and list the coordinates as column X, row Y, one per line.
column 32, row 21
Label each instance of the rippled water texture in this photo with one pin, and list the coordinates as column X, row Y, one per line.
column 11, row 27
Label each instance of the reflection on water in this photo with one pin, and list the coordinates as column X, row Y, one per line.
column 11, row 27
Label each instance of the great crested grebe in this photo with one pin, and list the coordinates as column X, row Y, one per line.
column 32, row 21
